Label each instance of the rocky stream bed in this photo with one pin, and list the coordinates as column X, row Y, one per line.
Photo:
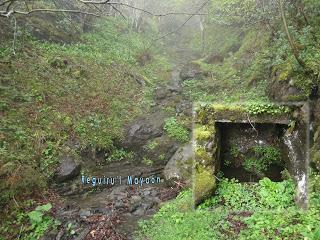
column 113, row 211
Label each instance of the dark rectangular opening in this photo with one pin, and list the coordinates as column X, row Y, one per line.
column 251, row 151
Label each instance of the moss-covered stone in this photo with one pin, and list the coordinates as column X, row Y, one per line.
column 203, row 133
column 204, row 184
column 208, row 114
column 206, row 155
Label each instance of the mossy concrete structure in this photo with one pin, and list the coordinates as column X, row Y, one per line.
column 207, row 135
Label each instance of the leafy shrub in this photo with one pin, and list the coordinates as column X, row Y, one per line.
column 96, row 131
column 120, row 155
column 276, row 194
column 264, row 157
column 40, row 222
column 234, row 195
column 260, row 108
column 177, row 220
column 264, row 210
column 234, row 151
column 176, row 130
column 147, row 161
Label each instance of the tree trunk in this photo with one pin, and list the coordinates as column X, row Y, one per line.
column 202, row 34
column 291, row 42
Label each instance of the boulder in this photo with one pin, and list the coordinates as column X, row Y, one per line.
column 180, row 164
column 159, row 149
column 282, row 91
column 68, row 169
column 142, row 130
column 191, row 71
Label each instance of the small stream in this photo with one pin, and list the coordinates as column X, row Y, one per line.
column 113, row 210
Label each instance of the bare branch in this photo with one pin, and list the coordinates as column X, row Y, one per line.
column 183, row 24
column 151, row 13
column 5, row 2
column 9, row 5
column 27, row 6
column 117, row 10
column 11, row 12
column 95, row 2
column 95, row 6
column 8, row 12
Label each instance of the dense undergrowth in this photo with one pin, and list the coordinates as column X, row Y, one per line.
column 248, row 56
column 264, row 210
column 63, row 99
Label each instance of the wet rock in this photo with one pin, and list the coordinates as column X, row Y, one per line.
column 147, row 205
column 281, row 90
column 146, row 193
column 293, row 91
column 52, row 235
column 174, row 88
column 296, row 144
column 38, row 27
column 68, row 169
column 143, row 130
column 60, row 235
column 69, row 188
column 135, row 203
column 134, row 206
column 119, row 205
column 159, row 149
column 180, row 163
column 143, row 208
column 68, row 213
column 84, row 213
column 154, row 193
column 191, row 71
column 135, row 198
